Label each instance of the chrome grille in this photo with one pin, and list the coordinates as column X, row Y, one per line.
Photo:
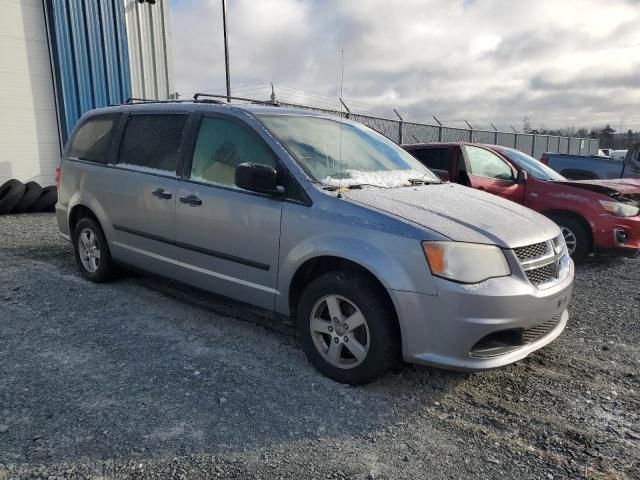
column 533, row 334
column 532, row 251
column 543, row 263
column 541, row 275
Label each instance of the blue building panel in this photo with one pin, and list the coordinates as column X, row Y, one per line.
column 89, row 56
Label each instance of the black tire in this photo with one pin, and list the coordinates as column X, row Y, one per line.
column 32, row 192
column 47, row 200
column 583, row 242
column 11, row 193
column 105, row 267
column 383, row 337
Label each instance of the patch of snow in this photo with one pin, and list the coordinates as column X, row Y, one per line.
column 381, row 178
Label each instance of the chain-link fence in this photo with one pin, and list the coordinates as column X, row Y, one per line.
column 402, row 132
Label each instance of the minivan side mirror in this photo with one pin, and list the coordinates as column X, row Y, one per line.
column 257, row 177
column 522, row 176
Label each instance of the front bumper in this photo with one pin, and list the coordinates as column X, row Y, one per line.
column 616, row 235
column 442, row 330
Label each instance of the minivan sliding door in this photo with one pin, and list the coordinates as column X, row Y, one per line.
column 143, row 188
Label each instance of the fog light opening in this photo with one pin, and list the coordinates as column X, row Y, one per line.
column 498, row 343
column 620, row 236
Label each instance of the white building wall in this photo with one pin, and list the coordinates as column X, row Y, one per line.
column 29, row 142
column 149, row 41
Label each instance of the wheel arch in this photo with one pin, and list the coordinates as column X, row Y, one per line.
column 551, row 213
column 315, row 267
column 85, row 204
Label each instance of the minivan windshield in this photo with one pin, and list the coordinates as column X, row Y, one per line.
column 345, row 154
column 532, row 166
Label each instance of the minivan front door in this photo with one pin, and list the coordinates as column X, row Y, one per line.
column 228, row 238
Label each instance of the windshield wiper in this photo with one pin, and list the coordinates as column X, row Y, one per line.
column 354, row 186
column 421, row 181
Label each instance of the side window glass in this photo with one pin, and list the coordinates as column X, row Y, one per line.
column 486, row 164
column 152, row 142
column 221, row 146
column 434, row 158
column 93, row 139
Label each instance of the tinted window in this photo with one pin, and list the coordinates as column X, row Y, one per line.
column 152, row 141
column 93, row 139
column 486, row 164
column 434, row 158
column 221, row 146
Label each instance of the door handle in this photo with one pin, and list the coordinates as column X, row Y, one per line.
column 160, row 193
column 191, row 200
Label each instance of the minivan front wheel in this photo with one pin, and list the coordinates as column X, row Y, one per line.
column 346, row 328
column 92, row 251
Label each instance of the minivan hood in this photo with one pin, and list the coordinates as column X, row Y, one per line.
column 461, row 213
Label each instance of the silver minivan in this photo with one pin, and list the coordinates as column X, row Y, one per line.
column 317, row 218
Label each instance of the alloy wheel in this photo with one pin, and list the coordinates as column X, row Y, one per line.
column 340, row 331
column 89, row 250
column 570, row 239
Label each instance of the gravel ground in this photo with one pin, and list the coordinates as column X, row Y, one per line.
column 145, row 378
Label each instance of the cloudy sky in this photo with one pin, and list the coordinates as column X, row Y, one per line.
column 559, row 62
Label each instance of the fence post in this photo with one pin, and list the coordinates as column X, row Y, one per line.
column 401, row 127
column 348, row 114
column 439, row 129
column 548, row 141
column 515, row 140
column 495, row 134
column 470, row 131
column 533, row 146
column 568, row 145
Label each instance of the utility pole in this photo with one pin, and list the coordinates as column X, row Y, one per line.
column 226, row 49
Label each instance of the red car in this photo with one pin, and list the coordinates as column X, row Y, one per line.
column 601, row 216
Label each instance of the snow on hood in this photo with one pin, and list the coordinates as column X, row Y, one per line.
column 460, row 213
column 383, row 178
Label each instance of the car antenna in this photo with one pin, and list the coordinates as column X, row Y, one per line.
column 341, row 120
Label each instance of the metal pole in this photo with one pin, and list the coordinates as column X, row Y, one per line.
column 495, row 134
column 533, row 146
column 348, row 114
column 439, row 129
column 226, row 49
column 400, row 128
column 470, row 131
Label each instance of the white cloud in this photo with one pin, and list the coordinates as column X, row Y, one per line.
column 484, row 44
column 559, row 63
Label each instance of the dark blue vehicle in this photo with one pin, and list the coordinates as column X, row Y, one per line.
column 576, row 167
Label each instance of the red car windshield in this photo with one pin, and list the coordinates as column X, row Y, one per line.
column 532, row 166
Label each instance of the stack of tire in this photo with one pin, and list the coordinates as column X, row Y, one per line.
column 18, row 197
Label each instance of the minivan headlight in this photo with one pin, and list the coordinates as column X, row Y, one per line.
column 619, row 209
column 465, row 262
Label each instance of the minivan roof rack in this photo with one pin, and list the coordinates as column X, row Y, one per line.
column 197, row 98
column 131, row 100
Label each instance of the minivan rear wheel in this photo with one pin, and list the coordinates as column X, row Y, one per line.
column 92, row 251
column 346, row 328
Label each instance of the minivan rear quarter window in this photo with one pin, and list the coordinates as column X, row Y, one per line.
column 93, row 139
column 152, row 142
